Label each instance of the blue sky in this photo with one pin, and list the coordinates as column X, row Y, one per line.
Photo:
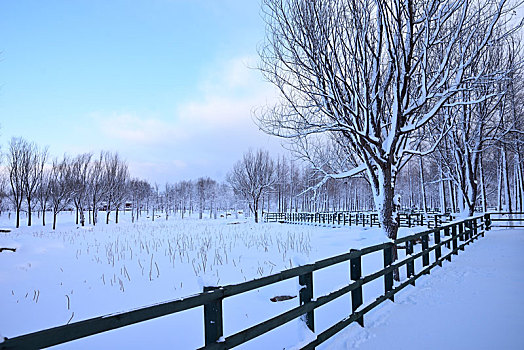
column 169, row 84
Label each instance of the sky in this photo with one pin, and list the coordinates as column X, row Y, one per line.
column 168, row 84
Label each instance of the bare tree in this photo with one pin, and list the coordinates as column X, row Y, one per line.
column 61, row 186
column 33, row 161
column 367, row 75
column 205, row 188
column 115, row 177
column 44, row 192
column 80, row 185
column 121, row 190
column 96, row 185
column 4, row 190
column 15, row 159
column 253, row 177
column 139, row 190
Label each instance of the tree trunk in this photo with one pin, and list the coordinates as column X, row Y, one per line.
column 29, row 212
column 422, row 186
column 116, row 216
column 17, row 217
column 54, row 219
column 386, row 211
column 442, row 189
column 255, row 210
column 384, row 198
column 519, row 188
column 82, row 217
column 482, row 186
column 499, row 187
column 43, row 217
column 505, row 176
column 452, row 197
column 95, row 213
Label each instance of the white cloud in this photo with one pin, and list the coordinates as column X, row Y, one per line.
column 135, row 129
column 209, row 131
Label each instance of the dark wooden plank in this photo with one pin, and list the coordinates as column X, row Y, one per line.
column 213, row 321
column 62, row 334
column 306, row 295
column 410, row 266
column 388, row 260
column 356, row 294
column 438, row 250
column 425, row 256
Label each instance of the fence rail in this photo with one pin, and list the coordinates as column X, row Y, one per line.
column 454, row 236
column 511, row 220
column 370, row 219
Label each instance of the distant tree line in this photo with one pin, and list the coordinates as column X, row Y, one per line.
column 259, row 182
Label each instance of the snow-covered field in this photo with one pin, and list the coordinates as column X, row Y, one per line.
column 74, row 273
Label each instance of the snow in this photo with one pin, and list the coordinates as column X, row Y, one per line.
column 81, row 272
column 475, row 302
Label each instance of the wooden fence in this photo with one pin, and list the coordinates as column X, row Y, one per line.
column 363, row 219
column 454, row 236
column 506, row 219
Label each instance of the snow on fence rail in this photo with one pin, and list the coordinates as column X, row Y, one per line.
column 358, row 218
column 454, row 236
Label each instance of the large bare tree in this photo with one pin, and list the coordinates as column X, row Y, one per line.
column 366, row 75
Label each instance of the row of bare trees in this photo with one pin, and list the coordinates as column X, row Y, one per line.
column 81, row 181
column 257, row 182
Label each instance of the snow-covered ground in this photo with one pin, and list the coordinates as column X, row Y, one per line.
column 475, row 302
column 75, row 273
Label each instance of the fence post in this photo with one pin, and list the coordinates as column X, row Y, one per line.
column 410, row 266
column 461, row 230
column 306, row 295
column 355, row 265
column 213, row 324
column 388, row 277
column 454, row 235
column 487, row 222
column 438, row 250
column 446, row 234
column 425, row 255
